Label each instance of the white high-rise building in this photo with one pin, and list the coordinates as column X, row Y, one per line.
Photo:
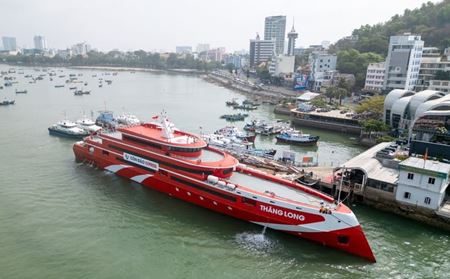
column 403, row 62
column 202, row 48
column 275, row 29
column 40, row 43
column 183, row 49
column 261, row 51
column 81, row 49
column 292, row 36
column 375, row 77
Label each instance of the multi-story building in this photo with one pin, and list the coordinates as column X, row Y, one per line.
column 9, row 43
column 422, row 182
column 329, row 78
column 282, row 64
column 64, row 53
column 183, row 49
column 321, row 63
column 440, row 85
column 432, row 62
column 275, row 29
column 292, row 36
column 202, row 48
column 40, row 43
column 216, row 54
column 235, row 60
column 81, row 49
column 375, row 77
column 261, row 51
column 403, row 62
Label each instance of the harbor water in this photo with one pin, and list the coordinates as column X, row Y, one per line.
column 60, row 219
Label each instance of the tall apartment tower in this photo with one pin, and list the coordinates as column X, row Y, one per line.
column 275, row 28
column 261, row 51
column 292, row 36
column 403, row 62
column 40, row 43
column 9, row 43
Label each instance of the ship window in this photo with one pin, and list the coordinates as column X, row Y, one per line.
column 196, row 171
column 205, row 189
column 343, row 239
column 249, row 201
column 431, row 180
column 104, row 152
column 227, row 171
column 410, row 176
column 183, row 149
column 427, row 200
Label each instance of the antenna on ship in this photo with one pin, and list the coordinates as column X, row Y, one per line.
column 340, row 184
column 166, row 125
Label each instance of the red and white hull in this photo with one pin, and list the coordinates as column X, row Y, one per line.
column 340, row 230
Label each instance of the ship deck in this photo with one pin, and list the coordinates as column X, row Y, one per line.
column 262, row 185
column 155, row 133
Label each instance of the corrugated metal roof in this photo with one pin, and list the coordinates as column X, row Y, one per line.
column 367, row 162
column 429, row 165
column 307, row 96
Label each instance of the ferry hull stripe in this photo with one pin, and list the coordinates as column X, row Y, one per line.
column 319, row 227
column 140, row 178
column 116, row 168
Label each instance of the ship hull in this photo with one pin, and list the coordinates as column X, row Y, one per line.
column 197, row 192
column 296, row 142
column 57, row 133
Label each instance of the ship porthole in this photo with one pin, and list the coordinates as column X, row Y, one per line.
column 189, row 193
column 215, row 203
column 176, row 189
column 230, row 208
column 91, row 149
column 201, row 198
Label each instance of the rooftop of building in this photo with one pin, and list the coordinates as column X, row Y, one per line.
column 332, row 114
column 373, row 167
column 429, row 165
column 307, row 96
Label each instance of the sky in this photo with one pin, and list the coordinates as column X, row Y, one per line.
column 160, row 25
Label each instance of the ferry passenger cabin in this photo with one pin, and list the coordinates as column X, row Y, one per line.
column 179, row 151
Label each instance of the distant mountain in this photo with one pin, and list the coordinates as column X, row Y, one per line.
column 431, row 21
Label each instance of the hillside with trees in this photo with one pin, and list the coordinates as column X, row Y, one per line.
column 139, row 59
column 431, row 21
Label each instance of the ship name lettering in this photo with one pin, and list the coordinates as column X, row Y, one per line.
column 280, row 212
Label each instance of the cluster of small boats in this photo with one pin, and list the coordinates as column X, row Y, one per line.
column 86, row 126
column 72, row 80
column 232, row 140
column 79, row 129
column 282, row 131
column 246, row 105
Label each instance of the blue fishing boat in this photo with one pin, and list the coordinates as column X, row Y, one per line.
column 296, row 137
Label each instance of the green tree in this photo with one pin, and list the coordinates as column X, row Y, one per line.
column 263, row 73
column 319, row 102
column 374, row 125
column 230, row 67
column 330, row 93
column 372, row 107
column 431, row 21
column 354, row 62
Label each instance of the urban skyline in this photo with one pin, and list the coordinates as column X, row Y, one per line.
column 143, row 30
